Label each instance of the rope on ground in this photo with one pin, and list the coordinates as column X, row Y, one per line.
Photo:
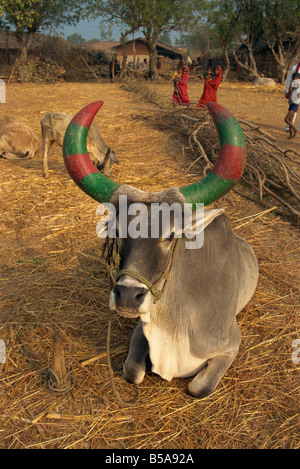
column 111, row 374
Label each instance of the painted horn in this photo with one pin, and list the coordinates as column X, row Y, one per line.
column 77, row 160
column 230, row 164
column 225, row 173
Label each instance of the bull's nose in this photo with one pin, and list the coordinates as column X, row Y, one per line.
column 129, row 297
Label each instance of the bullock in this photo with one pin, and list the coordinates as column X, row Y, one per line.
column 17, row 141
column 260, row 80
column 54, row 126
column 186, row 300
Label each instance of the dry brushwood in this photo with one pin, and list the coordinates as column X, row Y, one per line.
column 271, row 176
column 143, row 93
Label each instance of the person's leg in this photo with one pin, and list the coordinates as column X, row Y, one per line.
column 289, row 119
column 287, row 129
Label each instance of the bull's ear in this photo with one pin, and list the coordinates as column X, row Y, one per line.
column 194, row 233
column 199, row 220
column 114, row 158
column 211, row 214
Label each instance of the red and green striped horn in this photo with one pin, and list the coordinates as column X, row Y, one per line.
column 225, row 173
column 230, row 164
column 77, row 160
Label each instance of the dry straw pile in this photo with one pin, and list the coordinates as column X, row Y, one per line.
column 53, row 278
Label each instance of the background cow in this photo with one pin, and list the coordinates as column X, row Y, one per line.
column 260, row 80
column 54, row 126
column 17, row 141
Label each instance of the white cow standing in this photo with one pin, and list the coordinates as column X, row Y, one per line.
column 54, row 126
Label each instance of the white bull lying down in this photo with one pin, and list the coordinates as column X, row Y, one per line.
column 186, row 299
column 54, row 126
column 17, row 141
column 260, row 80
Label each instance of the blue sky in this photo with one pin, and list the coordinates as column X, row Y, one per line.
column 88, row 30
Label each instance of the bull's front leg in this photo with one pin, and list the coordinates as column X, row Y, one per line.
column 206, row 381
column 47, row 143
column 135, row 365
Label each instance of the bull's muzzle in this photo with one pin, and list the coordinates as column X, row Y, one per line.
column 127, row 300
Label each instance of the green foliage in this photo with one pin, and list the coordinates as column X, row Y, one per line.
column 152, row 17
column 281, row 26
column 202, row 38
column 165, row 37
column 106, row 31
column 76, row 39
column 222, row 18
column 27, row 16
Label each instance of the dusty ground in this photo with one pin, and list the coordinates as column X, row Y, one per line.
column 51, row 278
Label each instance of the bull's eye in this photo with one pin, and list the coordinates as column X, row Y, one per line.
column 170, row 237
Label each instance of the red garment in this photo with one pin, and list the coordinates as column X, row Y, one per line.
column 210, row 90
column 180, row 89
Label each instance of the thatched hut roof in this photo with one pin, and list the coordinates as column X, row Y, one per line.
column 163, row 49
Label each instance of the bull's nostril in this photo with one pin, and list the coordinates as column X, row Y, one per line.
column 116, row 292
column 130, row 297
column 139, row 298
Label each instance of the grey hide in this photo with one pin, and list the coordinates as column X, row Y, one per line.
column 54, row 126
column 192, row 330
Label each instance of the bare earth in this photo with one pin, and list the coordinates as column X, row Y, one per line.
column 52, row 277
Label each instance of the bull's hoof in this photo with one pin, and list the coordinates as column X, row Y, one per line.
column 201, row 393
column 133, row 372
column 201, row 386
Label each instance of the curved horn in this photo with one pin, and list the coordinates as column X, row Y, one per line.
column 77, row 160
column 226, row 172
column 230, row 164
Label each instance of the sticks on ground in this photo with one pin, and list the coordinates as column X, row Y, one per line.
column 59, row 379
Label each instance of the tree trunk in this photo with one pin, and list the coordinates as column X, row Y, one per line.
column 249, row 68
column 134, row 55
column 227, row 62
column 252, row 61
column 124, row 58
column 283, row 62
column 25, row 41
column 151, row 44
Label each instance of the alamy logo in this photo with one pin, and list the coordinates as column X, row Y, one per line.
column 2, row 92
column 164, row 220
column 2, row 351
column 296, row 353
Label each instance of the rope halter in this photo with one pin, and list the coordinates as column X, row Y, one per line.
column 113, row 263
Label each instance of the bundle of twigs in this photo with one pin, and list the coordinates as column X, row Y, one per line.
column 271, row 176
column 142, row 92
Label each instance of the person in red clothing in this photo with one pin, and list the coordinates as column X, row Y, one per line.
column 180, row 87
column 210, row 88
